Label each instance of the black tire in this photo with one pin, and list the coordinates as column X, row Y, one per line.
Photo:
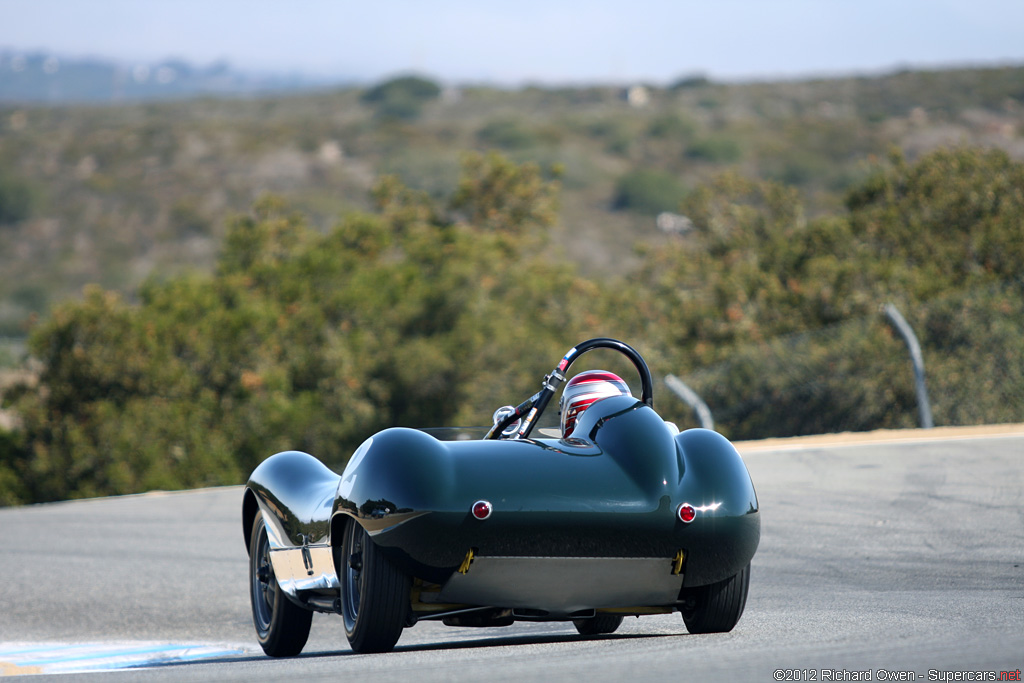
column 374, row 594
column 716, row 608
column 598, row 624
column 282, row 627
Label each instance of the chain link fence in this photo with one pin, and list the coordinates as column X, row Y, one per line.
column 858, row 376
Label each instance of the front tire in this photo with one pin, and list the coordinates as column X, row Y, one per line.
column 374, row 594
column 598, row 624
column 282, row 627
column 717, row 607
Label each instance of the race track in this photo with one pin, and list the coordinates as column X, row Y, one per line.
column 888, row 557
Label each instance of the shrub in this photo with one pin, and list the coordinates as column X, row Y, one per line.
column 648, row 191
column 671, row 127
column 718, row 150
column 401, row 98
column 404, row 87
column 17, row 199
column 508, row 134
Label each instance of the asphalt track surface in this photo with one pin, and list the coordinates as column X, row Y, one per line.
column 903, row 556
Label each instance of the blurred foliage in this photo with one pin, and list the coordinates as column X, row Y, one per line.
column 428, row 313
column 121, row 192
column 648, row 191
column 12, row 487
column 437, row 296
column 507, row 134
column 302, row 340
column 857, row 375
column 716, row 149
column 773, row 318
column 401, row 98
column 17, row 199
column 671, row 126
column 692, row 81
column 404, row 87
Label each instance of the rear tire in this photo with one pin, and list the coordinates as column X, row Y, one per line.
column 598, row 624
column 282, row 627
column 716, row 608
column 374, row 594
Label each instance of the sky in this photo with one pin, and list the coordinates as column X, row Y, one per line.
column 567, row 42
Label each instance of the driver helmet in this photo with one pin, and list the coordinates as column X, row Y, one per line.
column 582, row 390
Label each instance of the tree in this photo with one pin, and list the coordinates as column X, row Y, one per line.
column 432, row 313
column 401, row 98
column 755, row 269
column 303, row 340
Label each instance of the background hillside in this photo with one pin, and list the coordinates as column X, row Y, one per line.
column 113, row 194
column 427, row 252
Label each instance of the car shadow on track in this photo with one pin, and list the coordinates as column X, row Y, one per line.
column 474, row 643
column 505, row 641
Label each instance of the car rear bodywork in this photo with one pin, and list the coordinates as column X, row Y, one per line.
column 586, row 523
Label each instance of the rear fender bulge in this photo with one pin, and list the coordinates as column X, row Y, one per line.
column 395, row 477
column 295, row 492
column 715, row 473
column 727, row 530
column 395, row 473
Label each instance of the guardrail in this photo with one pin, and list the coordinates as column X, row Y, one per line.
column 924, row 408
column 690, row 397
column 852, row 376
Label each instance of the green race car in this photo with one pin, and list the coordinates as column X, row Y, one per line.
column 619, row 514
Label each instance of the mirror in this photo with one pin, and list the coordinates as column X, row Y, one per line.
column 503, row 412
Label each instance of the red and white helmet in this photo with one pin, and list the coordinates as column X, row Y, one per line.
column 582, row 390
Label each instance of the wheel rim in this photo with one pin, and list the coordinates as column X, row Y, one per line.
column 264, row 584
column 352, row 560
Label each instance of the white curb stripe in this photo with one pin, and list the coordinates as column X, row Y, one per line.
column 51, row 658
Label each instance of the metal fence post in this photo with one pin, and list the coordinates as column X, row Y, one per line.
column 691, row 399
column 903, row 327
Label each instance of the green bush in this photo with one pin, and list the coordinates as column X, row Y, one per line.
column 742, row 303
column 404, row 87
column 401, row 98
column 648, row 191
column 671, row 127
column 508, row 134
column 12, row 487
column 690, row 82
column 717, row 149
column 616, row 134
column 187, row 220
column 17, row 199
column 399, row 109
column 314, row 339
column 301, row 340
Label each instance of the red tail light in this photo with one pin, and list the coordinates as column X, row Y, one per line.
column 482, row 509
column 687, row 513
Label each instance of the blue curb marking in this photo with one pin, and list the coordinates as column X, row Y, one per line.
column 63, row 657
